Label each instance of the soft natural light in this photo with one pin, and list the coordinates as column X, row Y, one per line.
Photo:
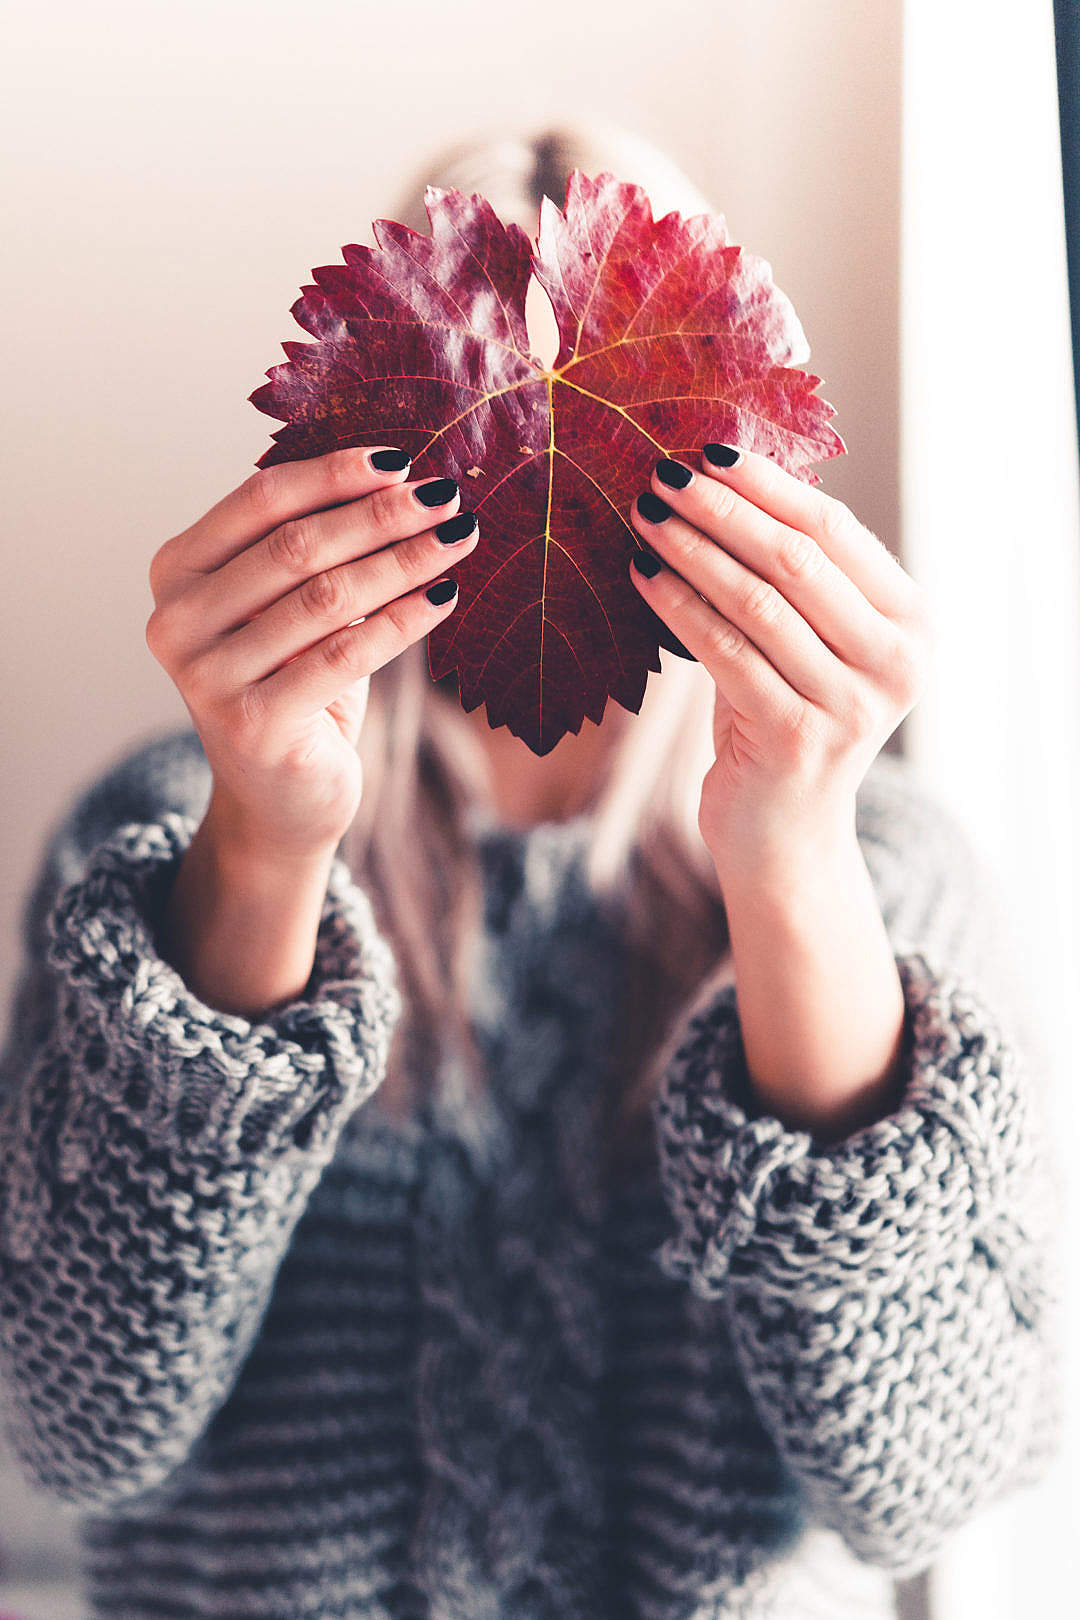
column 991, row 524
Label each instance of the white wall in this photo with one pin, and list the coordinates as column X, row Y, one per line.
column 172, row 174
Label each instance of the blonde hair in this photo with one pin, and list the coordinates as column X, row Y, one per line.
column 425, row 767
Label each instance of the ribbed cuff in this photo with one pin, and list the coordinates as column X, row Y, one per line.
column 955, row 1164
column 136, row 1038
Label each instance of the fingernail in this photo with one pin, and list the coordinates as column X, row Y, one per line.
column 459, row 527
column 675, row 474
column 652, row 508
column 646, row 563
column 441, row 591
column 723, row 455
column 436, row 492
column 389, row 460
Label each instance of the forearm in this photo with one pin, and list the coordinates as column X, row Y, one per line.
column 241, row 929
column 820, row 1003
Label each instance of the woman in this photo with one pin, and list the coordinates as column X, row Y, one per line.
column 399, row 1215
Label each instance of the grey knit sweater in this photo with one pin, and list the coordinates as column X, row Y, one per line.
column 288, row 1356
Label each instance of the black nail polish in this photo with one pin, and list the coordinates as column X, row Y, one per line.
column 389, row 460
column 436, row 492
column 459, row 527
column 673, row 644
column 673, row 473
column 652, row 508
column 722, row 455
column 646, row 563
column 441, row 591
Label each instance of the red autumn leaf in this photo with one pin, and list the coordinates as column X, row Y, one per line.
column 669, row 336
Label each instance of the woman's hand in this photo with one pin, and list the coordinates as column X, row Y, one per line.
column 253, row 621
column 818, row 641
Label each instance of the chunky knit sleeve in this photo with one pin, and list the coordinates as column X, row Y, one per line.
column 155, row 1154
column 893, row 1297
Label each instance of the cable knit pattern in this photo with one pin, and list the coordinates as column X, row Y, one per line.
column 286, row 1356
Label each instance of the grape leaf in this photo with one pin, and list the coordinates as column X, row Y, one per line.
column 669, row 336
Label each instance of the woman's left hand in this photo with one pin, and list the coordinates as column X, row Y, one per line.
column 818, row 641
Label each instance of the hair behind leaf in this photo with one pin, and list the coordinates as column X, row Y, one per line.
column 424, row 766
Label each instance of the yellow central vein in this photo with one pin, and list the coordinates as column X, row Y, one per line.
column 547, row 542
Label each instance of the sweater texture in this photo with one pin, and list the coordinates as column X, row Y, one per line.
column 287, row 1356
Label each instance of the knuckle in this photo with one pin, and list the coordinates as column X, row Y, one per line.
column 293, row 545
column 265, row 490
column 861, row 716
column 408, row 564
column 200, row 683
column 724, row 502
column 340, row 651
column 399, row 615
column 797, row 555
column 799, row 728
column 724, row 640
column 251, row 707
column 382, row 512
column 340, row 468
column 834, row 519
column 905, row 667
column 699, row 549
column 324, row 596
column 760, row 601
column 160, row 569
column 156, row 635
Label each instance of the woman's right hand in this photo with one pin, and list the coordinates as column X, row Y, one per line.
column 252, row 621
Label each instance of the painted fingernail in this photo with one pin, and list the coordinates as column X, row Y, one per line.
column 675, row 474
column 436, row 492
column 389, row 460
column 459, row 527
column 723, row 455
column 673, row 644
column 646, row 563
column 441, row 591
column 652, row 508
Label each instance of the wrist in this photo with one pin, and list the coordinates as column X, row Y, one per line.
column 821, row 1006
column 245, row 855
column 241, row 925
column 780, row 872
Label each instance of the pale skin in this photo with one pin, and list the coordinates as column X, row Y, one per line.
column 819, row 644
column 817, row 641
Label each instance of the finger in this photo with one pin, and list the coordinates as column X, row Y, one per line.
column 751, row 603
column 275, row 495
column 222, row 602
column 319, row 676
column 741, row 671
column 791, row 561
column 332, row 600
column 874, row 570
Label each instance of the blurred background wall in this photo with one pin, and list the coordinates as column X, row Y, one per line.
column 172, row 174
